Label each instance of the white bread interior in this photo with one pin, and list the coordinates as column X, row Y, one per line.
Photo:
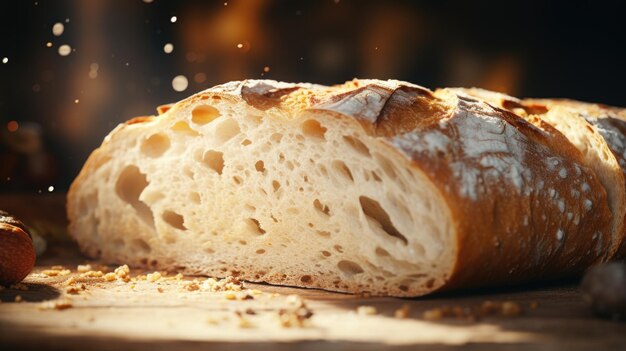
column 217, row 187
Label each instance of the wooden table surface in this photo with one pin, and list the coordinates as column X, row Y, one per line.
column 163, row 315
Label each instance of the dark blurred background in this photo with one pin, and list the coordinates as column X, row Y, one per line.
column 70, row 71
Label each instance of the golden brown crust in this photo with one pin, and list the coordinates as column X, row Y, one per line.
column 609, row 121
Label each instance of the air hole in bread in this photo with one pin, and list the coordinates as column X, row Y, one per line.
column 276, row 137
column 338, row 248
column 323, row 233
column 260, row 251
column 246, row 142
column 214, row 160
column 155, row 145
column 349, row 268
column 237, row 180
column 187, row 171
column 419, row 249
column 357, row 145
column 243, row 242
column 209, row 250
column 306, row 279
column 376, row 177
column 174, row 219
column 387, row 166
column 379, row 217
column 194, row 197
column 381, row 252
column 323, row 170
column 321, row 207
column 129, row 186
column 343, row 170
column 430, row 283
column 203, row 114
column 255, row 226
column 275, row 185
column 326, row 253
column 227, row 130
column 183, row 127
column 313, row 129
column 140, row 246
column 259, row 166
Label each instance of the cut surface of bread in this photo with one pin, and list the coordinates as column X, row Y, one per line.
column 371, row 186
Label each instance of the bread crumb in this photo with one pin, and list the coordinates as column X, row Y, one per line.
column 434, row 314
column 230, row 296
column 245, row 296
column 487, row 308
column 56, row 272
column 153, row 277
column 75, row 290
column 511, row 309
column 123, row 273
column 109, row 277
column 18, row 298
column 366, row 310
column 191, row 286
column 296, row 315
column 83, row 268
column 57, row 268
column 403, row 312
column 245, row 323
column 255, row 292
column 57, row 305
column 92, row 274
column 159, row 289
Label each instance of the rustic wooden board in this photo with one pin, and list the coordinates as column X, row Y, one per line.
column 117, row 315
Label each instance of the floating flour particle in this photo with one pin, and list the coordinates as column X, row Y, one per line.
column 65, row 50
column 58, row 28
column 180, row 83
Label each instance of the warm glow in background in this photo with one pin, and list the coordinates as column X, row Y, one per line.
column 61, row 93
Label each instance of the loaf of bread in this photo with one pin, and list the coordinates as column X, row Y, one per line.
column 382, row 187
